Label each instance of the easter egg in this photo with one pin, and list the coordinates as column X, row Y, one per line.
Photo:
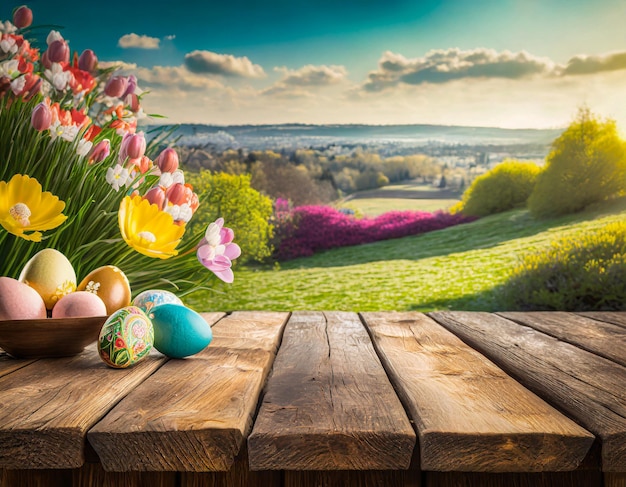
column 78, row 304
column 51, row 274
column 154, row 297
column 19, row 301
column 125, row 338
column 179, row 331
column 110, row 284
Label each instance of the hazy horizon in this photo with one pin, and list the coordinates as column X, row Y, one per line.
column 489, row 63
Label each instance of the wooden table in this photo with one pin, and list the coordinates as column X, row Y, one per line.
column 331, row 399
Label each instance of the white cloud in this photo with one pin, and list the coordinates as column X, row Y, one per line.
column 207, row 62
column 583, row 64
column 138, row 41
column 170, row 37
column 294, row 82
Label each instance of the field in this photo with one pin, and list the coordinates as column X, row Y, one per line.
column 454, row 268
column 406, row 196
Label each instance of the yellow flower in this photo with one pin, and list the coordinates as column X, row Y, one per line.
column 147, row 229
column 25, row 208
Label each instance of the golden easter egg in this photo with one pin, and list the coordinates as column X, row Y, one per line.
column 110, row 284
column 51, row 274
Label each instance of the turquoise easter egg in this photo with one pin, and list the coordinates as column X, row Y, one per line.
column 125, row 338
column 155, row 297
column 178, row 330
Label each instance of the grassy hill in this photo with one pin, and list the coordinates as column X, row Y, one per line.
column 454, row 268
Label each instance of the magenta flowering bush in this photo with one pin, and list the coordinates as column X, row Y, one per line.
column 309, row 229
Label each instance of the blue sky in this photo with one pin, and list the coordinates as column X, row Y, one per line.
column 510, row 63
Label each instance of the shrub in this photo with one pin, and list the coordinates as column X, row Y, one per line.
column 576, row 273
column 587, row 165
column 245, row 209
column 308, row 229
column 505, row 187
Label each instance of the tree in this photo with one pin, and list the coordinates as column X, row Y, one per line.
column 587, row 165
column 503, row 188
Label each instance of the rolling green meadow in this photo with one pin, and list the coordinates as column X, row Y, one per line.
column 456, row 268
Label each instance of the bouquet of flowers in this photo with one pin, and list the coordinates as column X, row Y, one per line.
column 76, row 175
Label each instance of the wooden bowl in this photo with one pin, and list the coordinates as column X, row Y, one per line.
column 58, row 337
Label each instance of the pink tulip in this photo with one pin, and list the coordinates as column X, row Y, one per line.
column 58, row 52
column 177, row 194
column 216, row 250
column 100, row 151
column 156, row 196
column 116, row 86
column 87, row 61
column 133, row 147
column 168, row 160
column 45, row 60
column 22, row 17
column 131, row 86
column 41, row 117
column 132, row 101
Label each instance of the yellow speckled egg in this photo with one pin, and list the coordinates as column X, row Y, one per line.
column 51, row 274
column 110, row 284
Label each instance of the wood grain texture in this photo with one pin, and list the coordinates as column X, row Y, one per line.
column 328, row 403
column 616, row 317
column 35, row 478
column 93, row 475
column 9, row 364
column 48, row 406
column 545, row 479
column 238, row 475
column 470, row 415
column 614, row 480
column 588, row 388
column 194, row 414
column 604, row 339
column 376, row 478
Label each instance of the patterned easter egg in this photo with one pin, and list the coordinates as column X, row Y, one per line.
column 179, row 331
column 126, row 338
column 154, row 297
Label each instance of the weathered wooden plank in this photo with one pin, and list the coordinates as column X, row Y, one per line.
column 604, row 339
column 194, row 414
column 616, row 317
column 586, row 478
column 93, row 475
column 614, row 480
column 9, row 364
column 328, row 404
column 238, row 475
column 346, row 478
column 470, row 415
column 588, row 388
column 36, row 478
column 47, row 407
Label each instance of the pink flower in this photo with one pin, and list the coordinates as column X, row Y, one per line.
column 23, row 17
column 41, row 117
column 116, row 86
column 131, row 86
column 59, row 52
column 167, row 160
column 87, row 61
column 216, row 250
column 100, row 151
column 133, row 147
column 156, row 196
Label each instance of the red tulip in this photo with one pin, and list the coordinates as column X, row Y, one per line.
column 178, row 194
column 41, row 117
column 22, row 17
